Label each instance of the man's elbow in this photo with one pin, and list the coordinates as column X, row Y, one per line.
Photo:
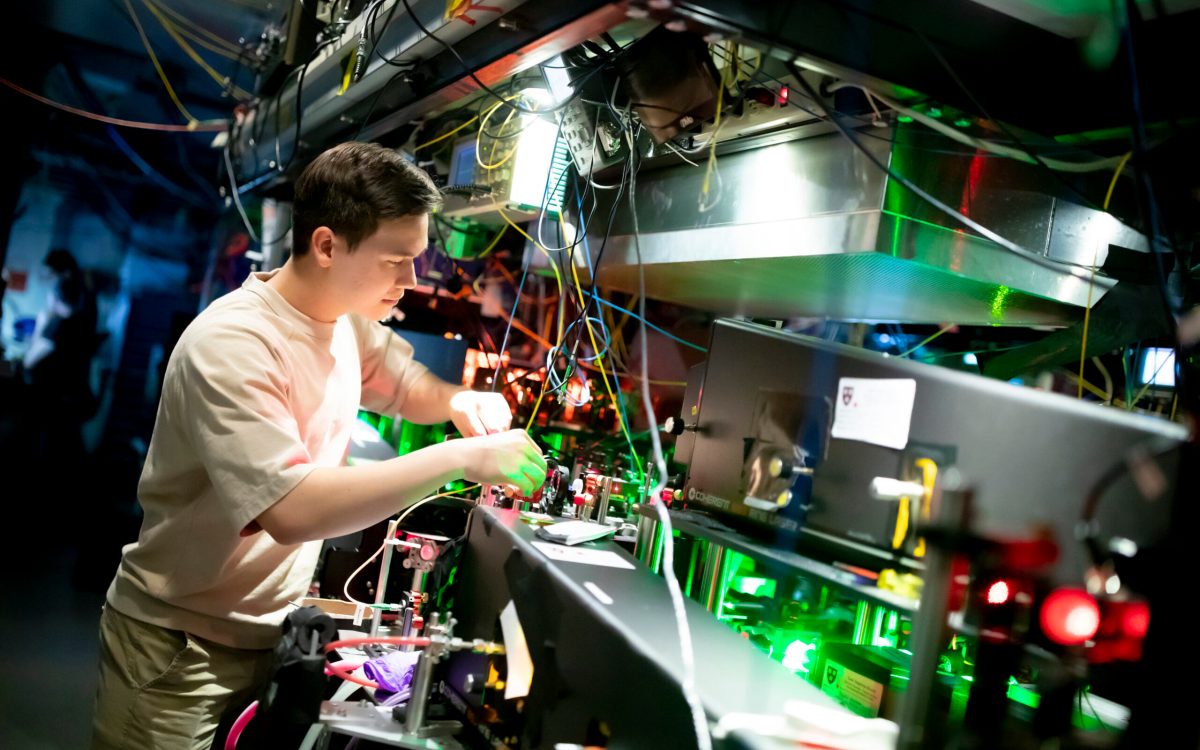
column 285, row 524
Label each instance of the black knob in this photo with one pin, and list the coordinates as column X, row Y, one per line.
column 673, row 426
column 781, row 468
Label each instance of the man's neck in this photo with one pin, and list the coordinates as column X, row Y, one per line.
column 301, row 288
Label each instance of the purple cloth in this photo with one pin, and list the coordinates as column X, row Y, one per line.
column 393, row 672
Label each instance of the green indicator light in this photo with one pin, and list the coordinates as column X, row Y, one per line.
column 934, row 112
column 904, row 118
column 962, row 122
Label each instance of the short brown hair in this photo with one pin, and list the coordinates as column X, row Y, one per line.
column 352, row 187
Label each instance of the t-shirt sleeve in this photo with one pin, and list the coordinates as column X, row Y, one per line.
column 389, row 371
column 231, row 391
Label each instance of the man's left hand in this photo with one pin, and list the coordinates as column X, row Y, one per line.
column 475, row 413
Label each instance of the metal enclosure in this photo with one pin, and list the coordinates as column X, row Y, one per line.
column 806, row 225
column 1030, row 456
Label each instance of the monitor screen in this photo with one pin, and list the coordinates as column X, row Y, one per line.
column 1157, row 367
column 462, row 163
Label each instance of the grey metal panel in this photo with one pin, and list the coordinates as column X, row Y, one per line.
column 810, row 177
column 1030, row 455
column 858, row 286
column 600, row 647
column 809, row 226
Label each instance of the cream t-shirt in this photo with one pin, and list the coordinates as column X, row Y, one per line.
column 256, row 395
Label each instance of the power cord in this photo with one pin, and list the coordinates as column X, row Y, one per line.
column 699, row 720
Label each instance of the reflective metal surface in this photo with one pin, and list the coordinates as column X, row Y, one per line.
column 810, row 227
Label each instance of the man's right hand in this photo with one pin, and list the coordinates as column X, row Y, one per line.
column 510, row 458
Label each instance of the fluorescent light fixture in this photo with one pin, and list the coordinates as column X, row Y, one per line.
column 535, row 152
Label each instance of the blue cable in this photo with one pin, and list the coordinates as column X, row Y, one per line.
column 508, row 328
column 668, row 334
column 151, row 172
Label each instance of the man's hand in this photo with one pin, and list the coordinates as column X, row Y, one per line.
column 476, row 414
column 509, row 458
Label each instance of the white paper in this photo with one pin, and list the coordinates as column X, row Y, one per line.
column 516, row 653
column 874, row 410
column 584, row 556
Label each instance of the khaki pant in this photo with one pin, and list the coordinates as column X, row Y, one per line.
column 163, row 689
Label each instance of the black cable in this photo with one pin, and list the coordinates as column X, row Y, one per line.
column 375, row 100
column 508, row 328
column 372, row 15
column 612, row 214
column 862, row 120
column 966, row 221
column 1004, row 128
column 1146, row 198
column 467, row 68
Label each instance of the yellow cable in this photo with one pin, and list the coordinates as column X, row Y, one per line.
column 1116, row 175
column 349, row 71
column 223, row 81
column 600, row 362
column 544, row 251
column 444, row 136
column 1089, row 387
column 901, row 530
column 929, row 471
column 219, row 40
column 492, row 245
column 536, row 405
column 215, row 49
column 712, row 148
column 192, row 121
column 558, row 279
column 926, row 341
column 483, row 126
column 1087, row 311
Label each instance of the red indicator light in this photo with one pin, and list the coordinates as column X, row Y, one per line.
column 1135, row 620
column 1070, row 617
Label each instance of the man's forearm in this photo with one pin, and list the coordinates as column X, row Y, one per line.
column 333, row 501
column 429, row 400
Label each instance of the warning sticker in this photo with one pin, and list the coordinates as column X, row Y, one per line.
column 874, row 410
column 860, row 694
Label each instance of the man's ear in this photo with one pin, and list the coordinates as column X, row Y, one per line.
column 321, row 246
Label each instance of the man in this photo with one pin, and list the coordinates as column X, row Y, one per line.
column 58, row 366
column 245, row 474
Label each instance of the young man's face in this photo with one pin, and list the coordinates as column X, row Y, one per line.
column 373, row 278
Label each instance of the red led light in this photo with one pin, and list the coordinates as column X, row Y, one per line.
column 1135, row 620
column 1070, row 616
column 783, row 96
column 998, row 593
